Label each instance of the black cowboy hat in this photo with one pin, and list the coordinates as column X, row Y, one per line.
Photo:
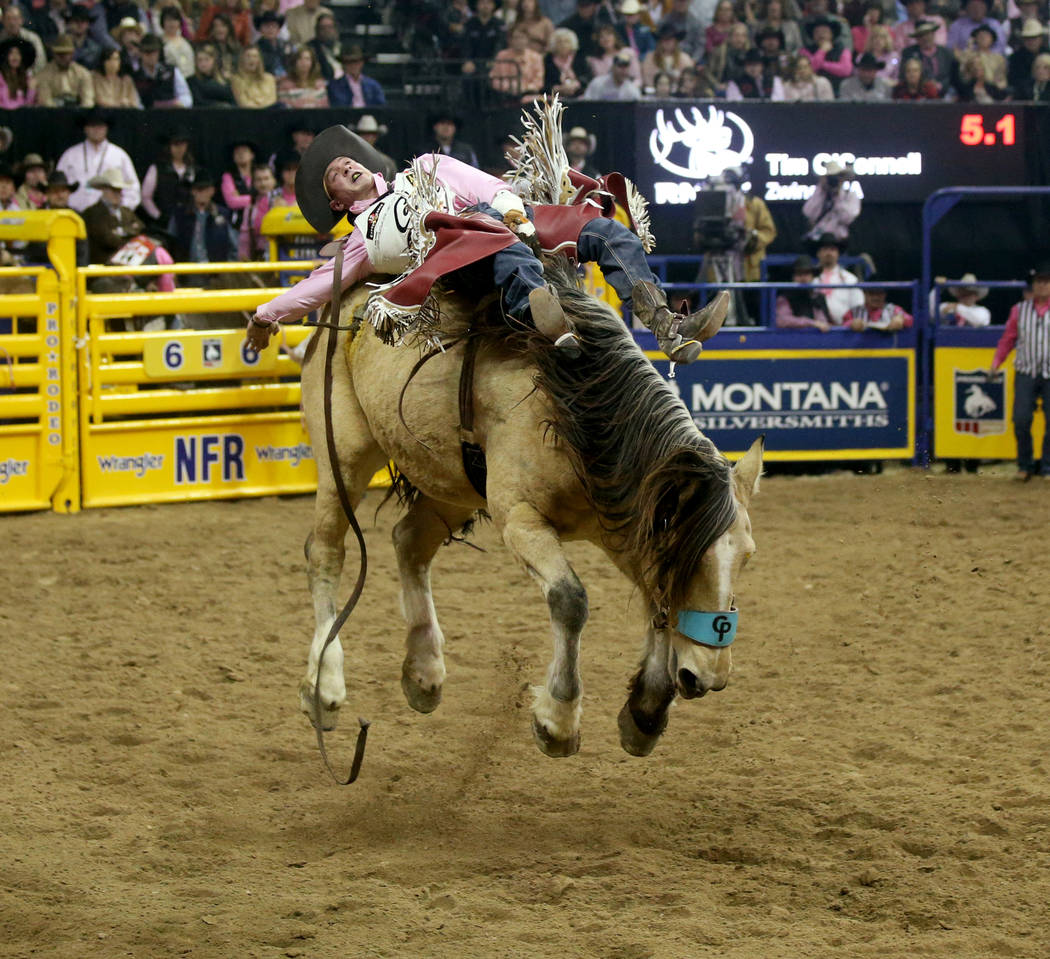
column 443, row 113
column 243, row 142
column 58, row 178
column 668, row 29
column 95, row 115
column 176, row 135
column 867, row 61
column 27, row 49
column 7, row 172
column 79, row 12
column 770, row 32
column 202, row 179
column 337, row 141
column 753, row 56
column 804, row 264
column 824, row 21
column 984, row 27
column 268, row 16
column 1041, row 270
column 828, row 239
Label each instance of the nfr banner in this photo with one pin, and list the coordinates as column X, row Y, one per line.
column 826, row 405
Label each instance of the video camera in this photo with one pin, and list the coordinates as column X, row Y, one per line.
column 718, row 223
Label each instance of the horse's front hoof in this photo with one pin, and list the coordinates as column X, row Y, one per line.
column 634, row 740
column 555, row 748
column 329, row 712
column 420, row 699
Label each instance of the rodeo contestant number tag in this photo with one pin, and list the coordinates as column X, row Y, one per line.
column 708, row 629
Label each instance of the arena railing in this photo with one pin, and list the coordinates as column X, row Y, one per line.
column 38, row 425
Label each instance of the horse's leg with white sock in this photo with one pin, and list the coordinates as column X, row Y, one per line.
column 558, row 704
column 417, row 536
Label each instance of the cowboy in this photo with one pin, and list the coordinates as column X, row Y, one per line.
column 370, row 130
column 965, row 308
column 108, row 223
column 95, row 153
column 342, row 161
column 63, row 83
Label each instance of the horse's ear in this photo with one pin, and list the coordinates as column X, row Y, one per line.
column 748, row 470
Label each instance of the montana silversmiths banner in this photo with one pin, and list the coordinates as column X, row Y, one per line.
column 811, row 405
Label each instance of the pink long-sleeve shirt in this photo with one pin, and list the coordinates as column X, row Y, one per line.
column 469, row 185
column 841, row 67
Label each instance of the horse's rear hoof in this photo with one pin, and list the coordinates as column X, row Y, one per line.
column 555, row 748
column 421, row 700
column 633, row 740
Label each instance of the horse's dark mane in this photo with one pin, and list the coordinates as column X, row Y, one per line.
column 662, row 491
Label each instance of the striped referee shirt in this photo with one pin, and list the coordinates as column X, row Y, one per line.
column 1028, row 328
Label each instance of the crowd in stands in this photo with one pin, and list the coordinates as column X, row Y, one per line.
column 272, row 53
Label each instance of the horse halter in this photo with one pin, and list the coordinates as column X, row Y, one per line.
column 716, row 629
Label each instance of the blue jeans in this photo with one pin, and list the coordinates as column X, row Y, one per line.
column 1027, row 389
column 618, row 252
column 515, row 270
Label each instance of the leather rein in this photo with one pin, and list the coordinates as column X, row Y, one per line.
column 333, row 459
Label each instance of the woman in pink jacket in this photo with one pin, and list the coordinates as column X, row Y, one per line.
column 17, row 86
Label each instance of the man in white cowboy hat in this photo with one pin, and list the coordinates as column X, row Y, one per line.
column 579, row 146
column 370, row 130
column 1031, row 41
column 961, row 303
column 833, row 206
column 62, row 82
column 109, row 224
column 92, row 156
column 635, row 34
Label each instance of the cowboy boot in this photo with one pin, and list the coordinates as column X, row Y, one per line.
column 677, row 335
column 549, row 319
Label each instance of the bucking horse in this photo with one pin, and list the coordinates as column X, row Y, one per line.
column 596, row 448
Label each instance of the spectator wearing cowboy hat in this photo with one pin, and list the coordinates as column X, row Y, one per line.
column 962, row 309
column 32, row 194
column 634, row 33
column 1028, row 329
column 86, row 49
column 484, row 36
column 904, row 32
column 63, row 82
column 302, row 21
column 775, row 58
column 833, row 206
column 12, row 27
column 167, row 182
column 994, row 64
column 272, row 46
column 370, row 130
column 584, row 22
column 579, row 148
column 828, row 56
column 201, row 229
column 8, row 194
column 108, row 222
column 976, row 15
column 976, row 80
column 680, row 14
column 91, row 156
column 445, row 124
column 866, row 86
column 17, row 84
column 803, row 309
column 128, row 34
column 668, row 55
column 755, row 84
column 58, row 191
column 355, row 88
column 876, row 313
column 841, row 299
column 159, row 84
column 1030, row 41
column 938, row 62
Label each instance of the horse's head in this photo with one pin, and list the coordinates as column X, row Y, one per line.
column 703, row 621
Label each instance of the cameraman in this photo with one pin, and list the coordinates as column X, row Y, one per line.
column 833, row 206
column 721, row 234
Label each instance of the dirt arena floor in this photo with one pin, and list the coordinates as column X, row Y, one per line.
column 872, row 783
